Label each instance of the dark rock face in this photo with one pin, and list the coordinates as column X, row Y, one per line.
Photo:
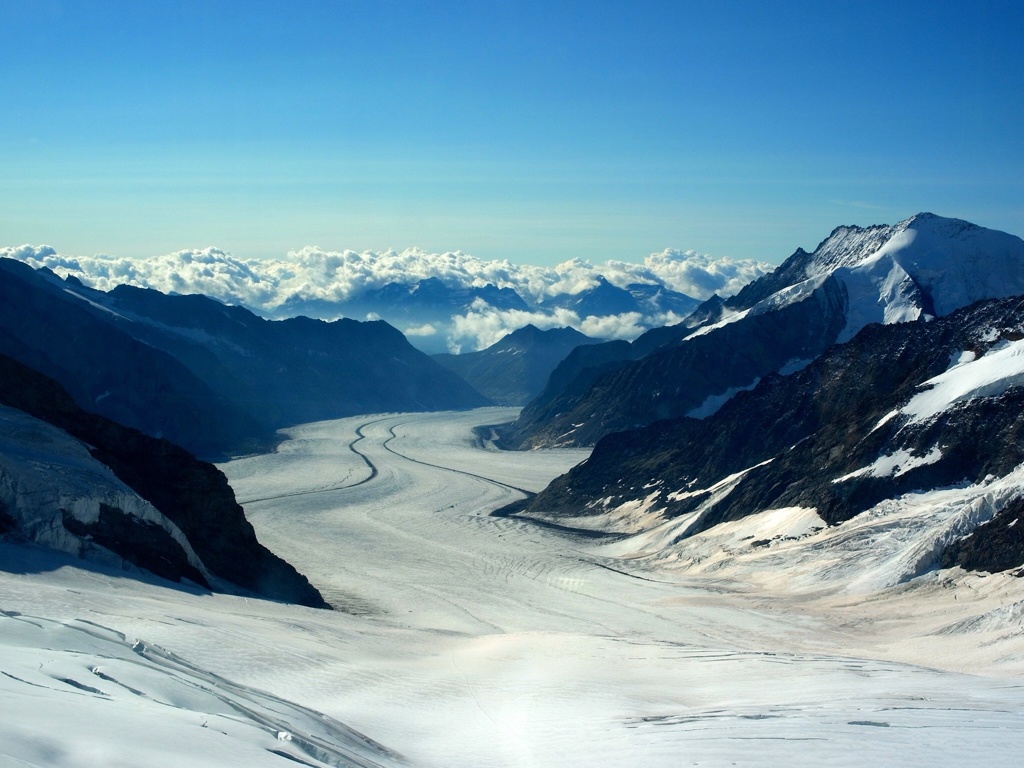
column 215, row 379
column 194, row 495
column 514, row 370
column 7, row 523
column 995, row 546
column 806, row 439
column 140, row 542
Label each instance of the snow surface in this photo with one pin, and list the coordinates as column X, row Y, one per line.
column 712, row 403
column 463, row 639
column 894, row 465
column 991, row 374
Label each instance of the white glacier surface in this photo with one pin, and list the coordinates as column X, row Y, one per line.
column 462, row 639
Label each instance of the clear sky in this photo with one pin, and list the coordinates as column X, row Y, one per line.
column 533, row 131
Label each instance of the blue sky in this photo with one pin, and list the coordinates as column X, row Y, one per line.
column 530, row 131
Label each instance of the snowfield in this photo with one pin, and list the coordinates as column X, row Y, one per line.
column 461, row 639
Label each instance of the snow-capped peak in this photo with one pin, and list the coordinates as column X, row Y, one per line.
column 931, row 266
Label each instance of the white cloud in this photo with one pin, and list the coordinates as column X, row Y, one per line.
column 281, row 287
column 628, row 325
column 312, row 273
column 483, row 324
column 421, row 330
column 700, row 275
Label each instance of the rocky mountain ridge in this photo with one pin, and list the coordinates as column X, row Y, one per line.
column 922, row 267
column 902, row 414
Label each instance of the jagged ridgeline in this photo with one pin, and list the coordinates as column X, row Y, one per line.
column 215, row 379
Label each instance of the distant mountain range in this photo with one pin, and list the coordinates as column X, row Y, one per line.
column 923, row 267
column 442, row 302
column 514, row 370
column 212, row 378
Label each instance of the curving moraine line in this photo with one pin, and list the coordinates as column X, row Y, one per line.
column 341, row 486
column 389, row 449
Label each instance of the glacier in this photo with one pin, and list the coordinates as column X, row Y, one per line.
column 465, row 639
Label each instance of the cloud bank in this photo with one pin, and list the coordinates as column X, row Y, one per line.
column 272, row 287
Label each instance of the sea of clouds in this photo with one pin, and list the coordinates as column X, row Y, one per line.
column 269, row 286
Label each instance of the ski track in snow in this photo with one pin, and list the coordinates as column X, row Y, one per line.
column 462, row 639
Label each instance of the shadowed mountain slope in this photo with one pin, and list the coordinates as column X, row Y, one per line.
column 899, row 411
column 120, row 495
column 213, row 378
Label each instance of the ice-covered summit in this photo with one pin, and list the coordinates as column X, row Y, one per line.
column 931, row 266
column 926, row 266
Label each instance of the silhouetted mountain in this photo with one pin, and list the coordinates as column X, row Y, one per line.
column 926, row 417
column 295, row 370
column 922, row 267
column 119, row 496
column 515, row 368
column 213, row 378
column 107, row 371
